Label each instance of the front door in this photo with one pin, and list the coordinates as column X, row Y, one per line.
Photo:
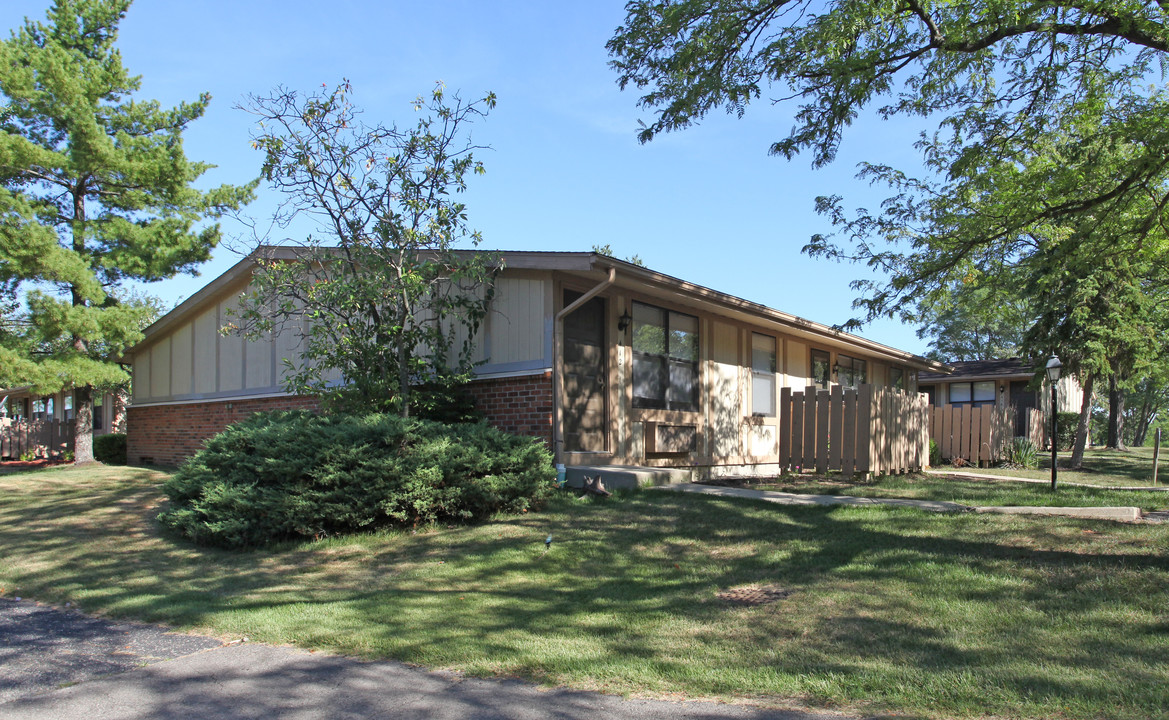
column 1023, row 400
column 584, row 376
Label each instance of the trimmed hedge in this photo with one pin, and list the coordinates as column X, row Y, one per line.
column 290, row 475
column 110, row 449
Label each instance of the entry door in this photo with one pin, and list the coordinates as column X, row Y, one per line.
column 1023, row 400
column 584, row 376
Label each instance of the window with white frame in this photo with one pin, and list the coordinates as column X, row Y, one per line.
column 762, row 375
column 851, row 372
column 976, row 394
column 39, row 411
column 67, row 406
column 665, row 359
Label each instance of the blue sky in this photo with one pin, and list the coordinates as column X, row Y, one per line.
column 565, row 170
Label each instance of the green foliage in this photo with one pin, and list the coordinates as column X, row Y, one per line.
column 110, row 448
column 935, row 453
column 608, row 251
column 1045, row 182
column 94, row 190
column 1022, row 453
column 296, row 475
column 1065, row 423
column 385, row 303
column 28, row 456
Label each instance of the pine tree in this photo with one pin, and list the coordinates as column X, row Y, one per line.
column 95, row 189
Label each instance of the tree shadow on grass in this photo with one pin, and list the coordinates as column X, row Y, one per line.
column 625, row 598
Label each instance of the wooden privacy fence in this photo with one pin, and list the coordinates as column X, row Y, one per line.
column 44, row 438
column 869, row 430
column 978, row 435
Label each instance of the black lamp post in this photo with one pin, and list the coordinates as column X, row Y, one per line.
column 1053, row 368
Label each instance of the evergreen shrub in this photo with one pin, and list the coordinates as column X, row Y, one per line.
column 291, row 475
column 110, row 448
column 1066, row 423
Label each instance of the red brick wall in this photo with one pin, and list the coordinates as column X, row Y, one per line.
column 520, row 405
column 168, row 434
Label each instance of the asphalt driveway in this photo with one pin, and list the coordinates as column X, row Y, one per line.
column 62, row 665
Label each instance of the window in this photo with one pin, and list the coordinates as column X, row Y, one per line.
column 850, row 372
column 67, row 404
column 98, row 416
column 38, row 409
column 977, row 394
column 896, row 378
column 665, row 359
column 762, row 375
column 18, row 408
column 929, row 391
column 821, row 368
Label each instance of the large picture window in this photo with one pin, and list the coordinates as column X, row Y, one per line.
column 762, row 375
column 850, row 372
column 665, row 359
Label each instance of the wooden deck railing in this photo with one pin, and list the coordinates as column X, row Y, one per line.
column 865, row 431
column 44, row 438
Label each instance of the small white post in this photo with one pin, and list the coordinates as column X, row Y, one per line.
column 1156, row 454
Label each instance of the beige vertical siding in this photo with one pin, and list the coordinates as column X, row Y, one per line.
column 231, row 349
column 205, row 342
column 160, row 374
column 797, row 374
column 725, row 391
column 141, row 376
column 182, row 375
column 517, row 322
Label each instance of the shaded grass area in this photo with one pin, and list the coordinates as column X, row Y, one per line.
column 967, row 492
column 890, row 610
column 1114, row 468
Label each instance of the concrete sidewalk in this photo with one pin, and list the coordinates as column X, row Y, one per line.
column 214, row 681
column 1123, row 514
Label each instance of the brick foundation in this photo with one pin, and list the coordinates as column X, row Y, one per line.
column 168, row 434
column 520, row 405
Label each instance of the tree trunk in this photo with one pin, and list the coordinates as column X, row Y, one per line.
column 1077, row 460
column 83, row 427
column 121, row 395
column 1115, row 414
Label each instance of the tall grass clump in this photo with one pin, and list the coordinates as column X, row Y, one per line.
column 292, row 475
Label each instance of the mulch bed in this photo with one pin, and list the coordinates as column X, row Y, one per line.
column 14, row 466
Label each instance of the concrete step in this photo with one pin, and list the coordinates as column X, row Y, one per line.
column 624, row 477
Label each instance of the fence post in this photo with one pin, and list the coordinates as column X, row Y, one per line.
column 849, row 444
column 785, row 429
column 809, row 427
column 797, row 435
column 1156, row 454
column 864, row 429
column 822, row 422
column 836, row 427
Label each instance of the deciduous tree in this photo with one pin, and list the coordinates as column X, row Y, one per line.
column 381, row 299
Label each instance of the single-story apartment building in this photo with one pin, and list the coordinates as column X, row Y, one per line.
column 609, row 362
column 1001, row 383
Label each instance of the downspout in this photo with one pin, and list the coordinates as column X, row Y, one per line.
column 558, row 362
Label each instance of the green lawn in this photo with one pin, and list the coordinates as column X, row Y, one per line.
column 890, row 610
column 1132, row 468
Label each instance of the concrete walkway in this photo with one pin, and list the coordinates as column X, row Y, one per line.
column 62, row 665
column 785, row 498
column 1123, row 514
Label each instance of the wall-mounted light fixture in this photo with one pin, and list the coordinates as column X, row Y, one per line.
column 624, row 321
